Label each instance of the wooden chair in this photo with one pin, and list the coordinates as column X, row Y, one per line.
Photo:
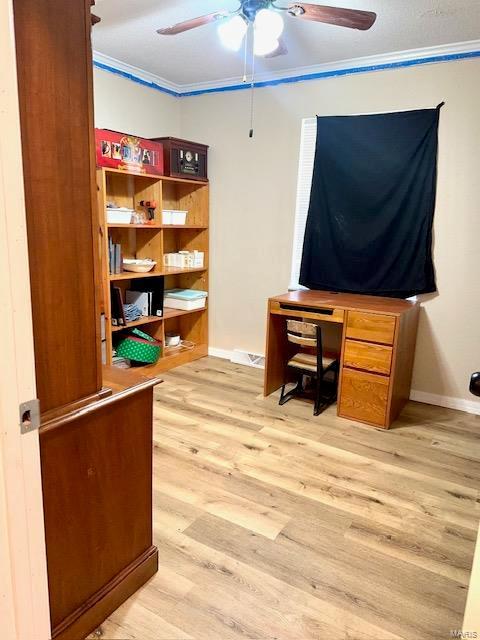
column 310, row 365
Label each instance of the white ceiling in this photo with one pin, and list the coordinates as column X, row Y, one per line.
column 128, row 34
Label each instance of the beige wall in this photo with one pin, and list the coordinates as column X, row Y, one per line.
column 253, row 185
column 123, row 105
column 253, row 203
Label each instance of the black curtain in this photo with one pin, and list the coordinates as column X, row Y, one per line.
column 369, row 224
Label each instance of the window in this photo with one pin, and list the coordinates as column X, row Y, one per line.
column 304, row 185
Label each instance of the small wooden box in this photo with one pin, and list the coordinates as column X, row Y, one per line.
column 184, row 159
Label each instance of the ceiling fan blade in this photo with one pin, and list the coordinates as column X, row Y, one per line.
column 351, row 18
column 193, row 24
column 280, row 51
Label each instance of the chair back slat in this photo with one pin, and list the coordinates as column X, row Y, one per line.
column 302, row 333
column 301, row 340
column 307, row 329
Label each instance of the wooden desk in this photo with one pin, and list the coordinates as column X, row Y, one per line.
column 377, row 349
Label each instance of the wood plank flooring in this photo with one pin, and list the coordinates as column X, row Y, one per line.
column 273, row 524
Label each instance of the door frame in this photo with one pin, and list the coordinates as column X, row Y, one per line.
column 24, row 607
column 471, row 621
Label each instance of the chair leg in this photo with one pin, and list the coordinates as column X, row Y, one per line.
column 296, row 391
column 318, row 396
column 337, row 376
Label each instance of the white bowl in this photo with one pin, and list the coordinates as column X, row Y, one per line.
column 172, row 339
column 138, row 266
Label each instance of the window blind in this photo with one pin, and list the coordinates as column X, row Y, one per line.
column 304, row 185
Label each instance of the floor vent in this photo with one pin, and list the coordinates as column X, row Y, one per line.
column 250, row 359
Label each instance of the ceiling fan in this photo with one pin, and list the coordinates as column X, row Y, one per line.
column 268, row 24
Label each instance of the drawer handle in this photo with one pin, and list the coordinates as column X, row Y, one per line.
column 294, row 307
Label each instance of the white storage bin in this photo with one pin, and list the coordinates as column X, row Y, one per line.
column 166, row 217
column 185, row 305
column 120, row 215
column 173, row 216
column 179, row 217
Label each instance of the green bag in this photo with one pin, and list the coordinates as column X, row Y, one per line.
column 140, row 347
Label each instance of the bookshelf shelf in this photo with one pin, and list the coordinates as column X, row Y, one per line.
column 156, row 226
column 175, row 359
column 157, row 178
column 154, row 241
column 178, row 313
column 138, row 323
column 166, row 271
column 168, row 314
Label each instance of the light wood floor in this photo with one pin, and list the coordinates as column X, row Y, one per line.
column 271, row 523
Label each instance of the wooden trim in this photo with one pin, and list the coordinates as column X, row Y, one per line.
column 60, row 421
column 97, row 276
column 95, row 610
column 48, row 416
column 471, row 621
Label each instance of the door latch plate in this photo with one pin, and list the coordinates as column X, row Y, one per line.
column 29, row 416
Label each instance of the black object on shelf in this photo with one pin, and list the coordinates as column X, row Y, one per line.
column 475, row 383
column 184, row 158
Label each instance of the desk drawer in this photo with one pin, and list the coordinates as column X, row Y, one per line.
column 369, row 357
column 364, row 397
column 373, row 327
column 290, row 310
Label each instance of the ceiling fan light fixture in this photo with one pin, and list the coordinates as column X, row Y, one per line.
column 232, row 32
column 269, row 23
column 264, row 44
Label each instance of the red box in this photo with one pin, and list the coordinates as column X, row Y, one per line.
column 117, row 150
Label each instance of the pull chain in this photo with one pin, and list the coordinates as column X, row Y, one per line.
column 245, row 56
column 252, row 87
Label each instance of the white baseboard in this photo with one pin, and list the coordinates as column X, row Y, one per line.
column 220, row 353
column 460, row 404
column 238, row 356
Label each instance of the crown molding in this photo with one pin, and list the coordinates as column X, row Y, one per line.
column 128, row 71
column 395, row 60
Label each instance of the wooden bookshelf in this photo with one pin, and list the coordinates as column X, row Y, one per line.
column 153, row 241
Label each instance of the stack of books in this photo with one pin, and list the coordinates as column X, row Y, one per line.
column 121, row 363
column 184, row 259
column 114, row 257
column 148, row 297
column 185, row 299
